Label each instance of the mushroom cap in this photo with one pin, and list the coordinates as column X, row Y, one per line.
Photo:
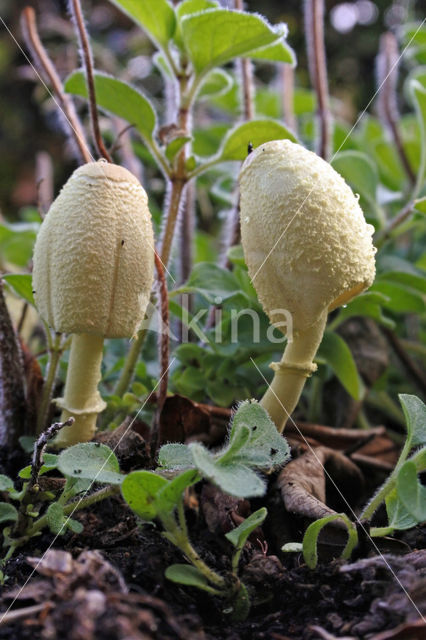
column 307, row 245
column 94, row 254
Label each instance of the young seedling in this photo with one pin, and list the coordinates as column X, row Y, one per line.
column 308, row 250
column 92, row 277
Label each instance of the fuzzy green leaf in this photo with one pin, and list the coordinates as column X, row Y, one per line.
column 140, row 490
column 398, row 516
column 216, row 83
column 238, row 536
column 8, row 512
column 255, row 132
column 56, row 518
column 189, row 576
column 212, row 282
column 90, row 461
column 411, row 492
column 415, row 415
column 21, row 284
column 310, row 539
column 216, row 36
column 175, row 456
column 5, row 483
column 276, row 52
column 335, row 352
column 175, row 146
column 169, row 496
column 119, row 98
column 156, row 17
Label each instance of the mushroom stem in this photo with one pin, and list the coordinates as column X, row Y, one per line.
column 81, row 400
column 290, row 374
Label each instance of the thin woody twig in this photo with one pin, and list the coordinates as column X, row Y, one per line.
column 387, row 77
column 164, row 347
column 46, row 69
column 86, row 54
column 39, row 447
column 314, row 28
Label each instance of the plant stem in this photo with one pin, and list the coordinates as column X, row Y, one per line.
column 88, row 66
column 314, row 29
column 290, row 375
column 77, row 505
column 45, row 66
column 55, row 354
column 287, row 92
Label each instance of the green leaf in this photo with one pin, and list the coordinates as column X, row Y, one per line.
column 276, row 52
column 411, row 492
column 169, row 496
column 5, row 483
column 415, row 415
column 310, row 539
column 175, row 146
column 216, row 36
column 17, row 242
column 216, row 83
column 175, row 456
column 27, row 443
column 117, row 97
column 50, row 461
column 74, row 525
column 238, row 536
column 255, row 132
column 156, row 17
column 189, row 576
column 418, row 93
column 367, row 304
column 211, row 281
column 90, row 461
column 400, row 298
column 235, row 479
column 8, row 512
column 56, row 518
column 420, row 205
column 21, row 284
column 398, row 516
column 292, row 547
column 194, row 6
column 336, row 353
column 359, row 171
column 140, row 489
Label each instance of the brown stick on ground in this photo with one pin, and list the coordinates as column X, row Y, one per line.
column 46, row 69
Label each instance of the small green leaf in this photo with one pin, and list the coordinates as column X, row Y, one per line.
column 335, row 352
column 398, row 516
column 189, row 576
column 359, row 170
column 401, row 299
column 140, row 490
column 411, row 492
column 119, row 98
column 21, row 284
column 420, row 205
column 212, row 282
column 276, row 52
column 56, row 518
column 27, row 443
column 255, row 132
column 156, row 17
column 310, row 539
column 292, row 547
column 5, row 483
column 74, row 525
column 169, row 496
column 238, row 536
column 415, row 415
column 235, row 479
column 90, row 461
column 216, row 83
column 367, row 304
column 175, row 456
column 7, row 512
column 216, row 36
column 175, row 146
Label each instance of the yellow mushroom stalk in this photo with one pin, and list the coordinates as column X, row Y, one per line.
column 308, row 250
column 92, row 277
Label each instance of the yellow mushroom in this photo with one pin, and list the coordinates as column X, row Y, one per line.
column 92, row 277
column 308, row 250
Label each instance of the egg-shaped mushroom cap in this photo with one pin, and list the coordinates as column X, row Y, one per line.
column 94, row 254
column 306, row 243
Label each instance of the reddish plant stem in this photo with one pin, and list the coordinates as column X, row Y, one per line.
column 287, row 92
column 387, row 78
column 86, row 54
column 46, row 69
column 314, row 29
column 164, row 347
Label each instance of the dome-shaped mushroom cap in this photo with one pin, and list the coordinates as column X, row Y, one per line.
column 94, row 257
column 306, row 242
